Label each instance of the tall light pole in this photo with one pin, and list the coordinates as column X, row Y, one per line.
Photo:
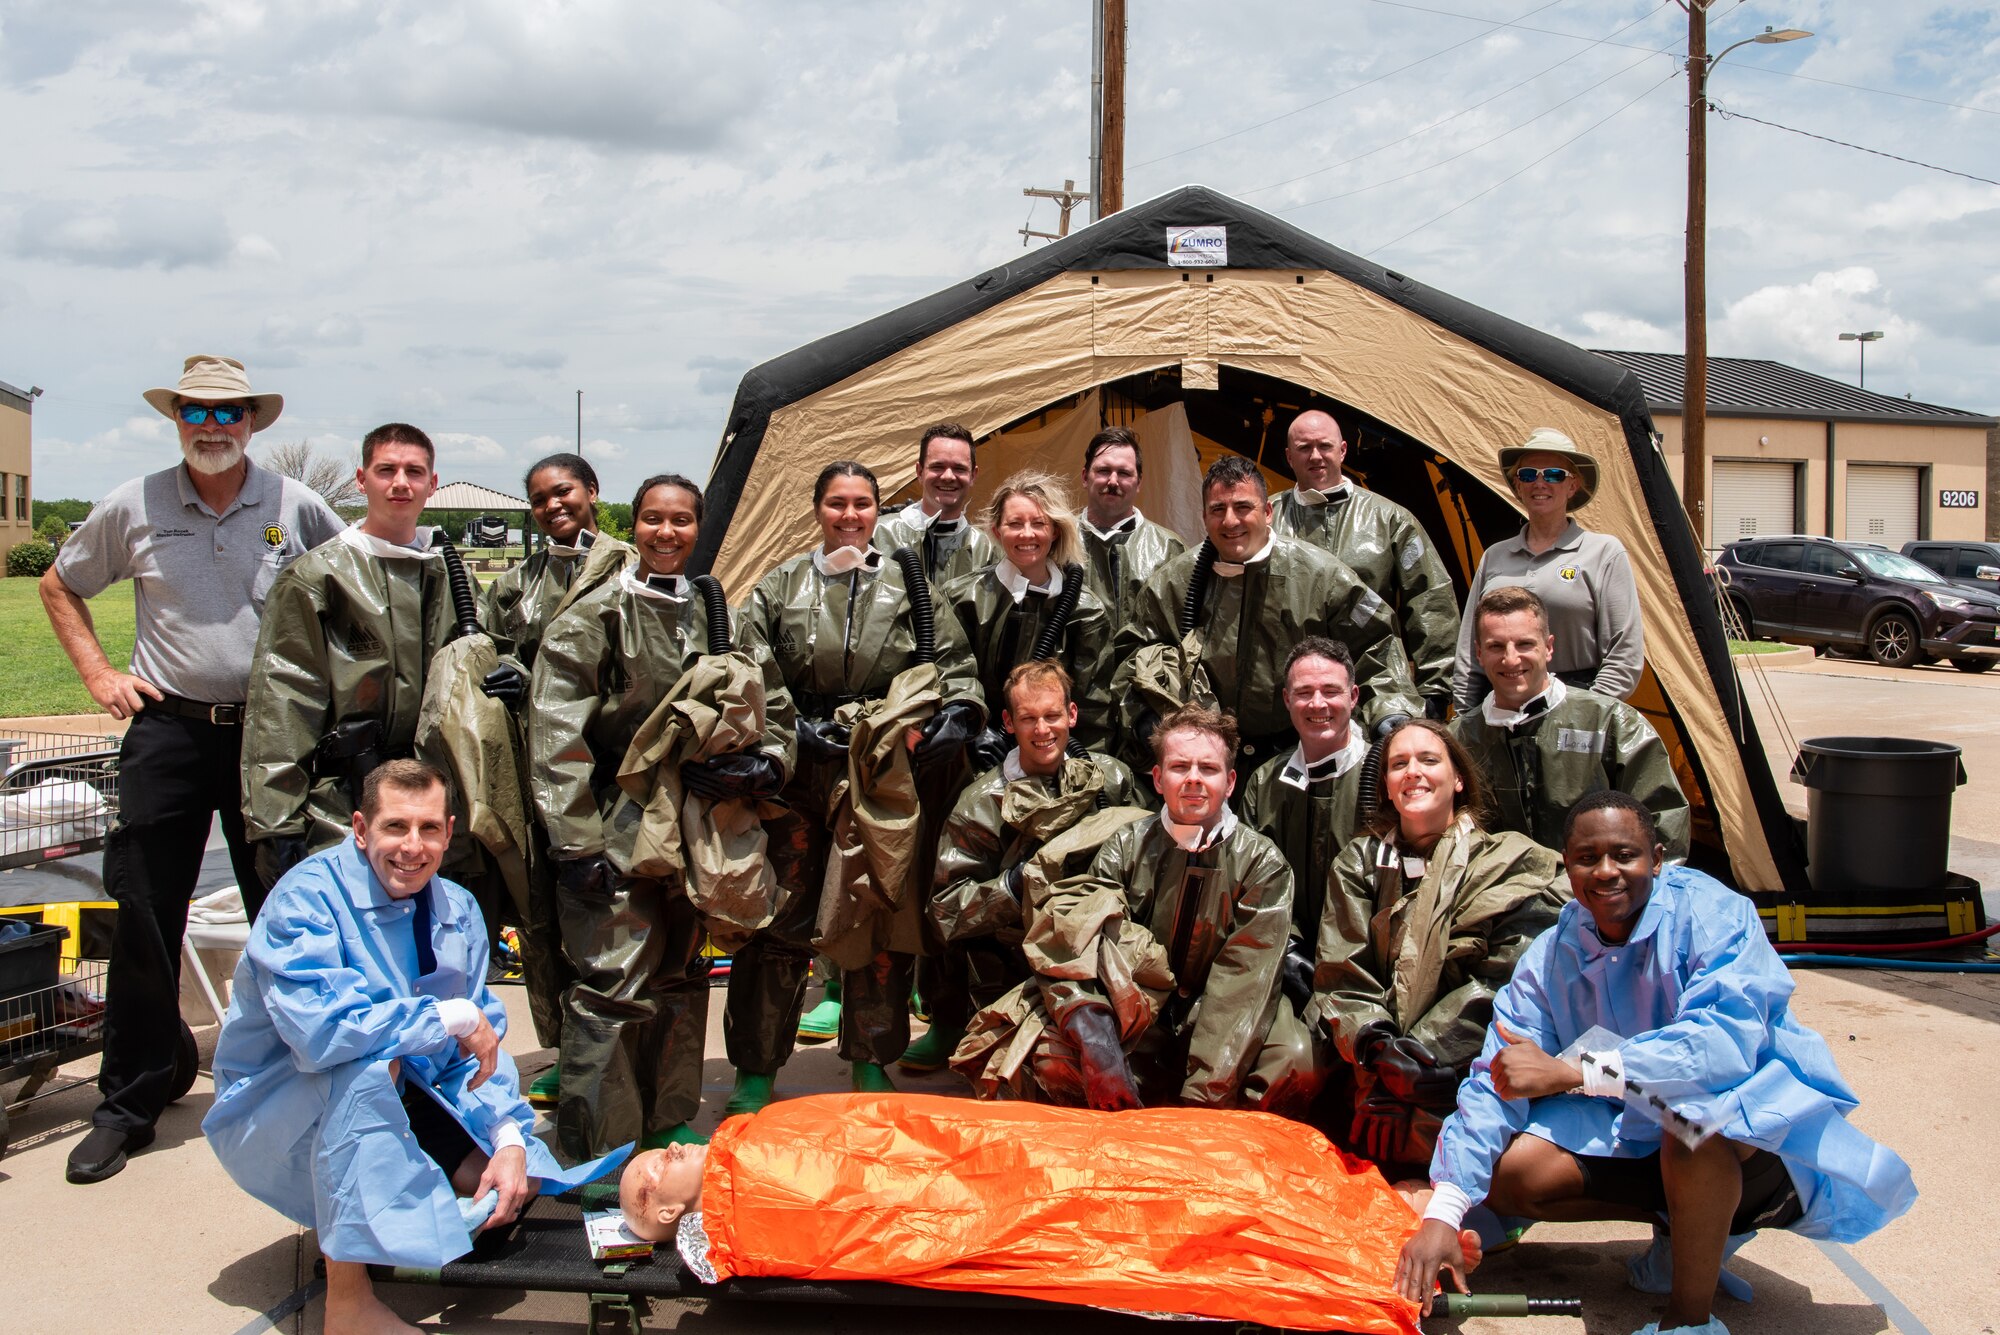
column 1864, row 340
column 1694, row 407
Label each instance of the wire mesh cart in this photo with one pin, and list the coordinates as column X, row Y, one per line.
column 58, row 795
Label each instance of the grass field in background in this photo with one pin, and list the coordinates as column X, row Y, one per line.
column 1758, row 646
column 35, row 675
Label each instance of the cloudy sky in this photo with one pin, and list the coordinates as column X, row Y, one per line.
column 460, row 212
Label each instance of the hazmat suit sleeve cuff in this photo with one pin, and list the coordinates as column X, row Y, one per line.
column 459, row 1017
column 1603, row 1074
column 1448, row 1205
column 508, row 1136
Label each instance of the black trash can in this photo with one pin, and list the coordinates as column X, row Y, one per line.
column 1878, row 811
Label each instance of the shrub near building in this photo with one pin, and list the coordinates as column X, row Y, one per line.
column 32, row 558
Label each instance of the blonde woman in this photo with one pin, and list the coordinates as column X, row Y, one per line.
column 1034, row 603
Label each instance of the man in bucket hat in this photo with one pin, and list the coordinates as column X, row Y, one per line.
column 202, row 543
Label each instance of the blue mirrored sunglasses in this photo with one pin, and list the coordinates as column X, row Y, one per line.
column 225, row 414
column 1534, row 475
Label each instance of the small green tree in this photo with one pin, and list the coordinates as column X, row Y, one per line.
column 614, row 518
column 52, row 530
column 32, row 558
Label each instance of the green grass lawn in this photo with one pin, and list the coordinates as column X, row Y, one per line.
column 1757, row 646
column 35, row 675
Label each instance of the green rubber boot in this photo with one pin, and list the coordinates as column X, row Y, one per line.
column 870, row 1078
column 680, row 1134
column 821, row 1024
column 752, row 1092
column 546, row 1092
column 932, row 1051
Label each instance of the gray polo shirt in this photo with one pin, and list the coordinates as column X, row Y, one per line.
column 198, row 578
column 1586, row 582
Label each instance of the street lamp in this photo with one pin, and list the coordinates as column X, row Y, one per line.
column 1694, row 407
column 1864, row 340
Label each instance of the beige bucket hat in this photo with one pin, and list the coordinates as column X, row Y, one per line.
column 210, row 379
column 1548, row 440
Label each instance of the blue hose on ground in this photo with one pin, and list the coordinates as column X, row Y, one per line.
column 1889, row 962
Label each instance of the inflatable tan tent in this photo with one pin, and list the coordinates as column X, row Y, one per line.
column 1206, row 326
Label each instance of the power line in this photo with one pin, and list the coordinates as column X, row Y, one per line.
column 1948, row 171
column 1537, row 162
column 1661, row 51
column 1331, row 97
column 1345, row 162
column 1474, row 148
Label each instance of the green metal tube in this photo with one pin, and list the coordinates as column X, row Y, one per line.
column 1460, row 1305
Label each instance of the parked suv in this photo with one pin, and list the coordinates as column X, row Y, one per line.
column 1810, row 590
column 1973, row 564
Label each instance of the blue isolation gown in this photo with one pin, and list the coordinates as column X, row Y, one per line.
column 1702, row 1002
column 307, row 1118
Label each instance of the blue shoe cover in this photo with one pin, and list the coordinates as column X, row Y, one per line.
column 477, row 1212
column 1653, row 1270
column 1712, row 1326
column 1496, row 1232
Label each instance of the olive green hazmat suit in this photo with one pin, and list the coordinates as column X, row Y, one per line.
column 1002, row 631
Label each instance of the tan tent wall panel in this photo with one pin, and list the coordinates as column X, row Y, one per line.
column 1041, row 346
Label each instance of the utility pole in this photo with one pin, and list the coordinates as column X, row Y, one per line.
column 1107, row 131
column 1694, row 394
column 1066, row 199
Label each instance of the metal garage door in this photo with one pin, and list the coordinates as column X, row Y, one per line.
column 1754, row 498
column 1882, row 504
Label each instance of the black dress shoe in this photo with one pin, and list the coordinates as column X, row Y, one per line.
column 101, row 1154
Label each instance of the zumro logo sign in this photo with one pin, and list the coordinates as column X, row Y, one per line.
column 1958, row 500
column 1198, row 247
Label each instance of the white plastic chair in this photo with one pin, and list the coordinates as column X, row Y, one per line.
column 215, row 922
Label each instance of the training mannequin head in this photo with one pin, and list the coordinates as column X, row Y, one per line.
column 1194, row 751
column 1040, row 715
column 403, row 824
column 1236, row 507
column 1315, row 449
column 1612, row 852
column 1511, row 637
column 1320, row 694
column 658, row 1187
column 946, row 468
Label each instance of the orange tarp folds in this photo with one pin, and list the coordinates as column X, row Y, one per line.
column 1233, row 1215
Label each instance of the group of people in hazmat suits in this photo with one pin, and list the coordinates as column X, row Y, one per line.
column 1132, row 823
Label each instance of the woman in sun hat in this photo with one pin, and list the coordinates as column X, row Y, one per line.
column 1583, row 578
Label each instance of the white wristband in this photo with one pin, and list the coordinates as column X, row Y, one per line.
column 1603, row 1074
column 508, row 1136
column 1449, row 1204
column 459, row 1017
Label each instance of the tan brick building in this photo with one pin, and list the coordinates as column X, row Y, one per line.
column 1794, row 452
column 17, row 464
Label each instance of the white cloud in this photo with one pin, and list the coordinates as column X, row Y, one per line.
column 1802, row 322
column 125, row 234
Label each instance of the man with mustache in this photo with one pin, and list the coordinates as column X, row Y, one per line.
column 202, row 543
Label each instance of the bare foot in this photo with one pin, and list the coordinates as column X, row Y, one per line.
column 1468, row 1242
column 352, row 1307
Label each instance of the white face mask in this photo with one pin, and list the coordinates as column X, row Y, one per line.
column 841, row 560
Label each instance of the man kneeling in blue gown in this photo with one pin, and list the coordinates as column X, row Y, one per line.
column 1685, row 1096
column 361, row 1086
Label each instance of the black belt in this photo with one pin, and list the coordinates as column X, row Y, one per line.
column 225, row 716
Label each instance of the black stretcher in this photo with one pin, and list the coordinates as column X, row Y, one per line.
column 545, row 1251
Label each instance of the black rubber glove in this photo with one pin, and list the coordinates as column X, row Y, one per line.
column 588, row 878
column 1144, row 726
column 988, row 749
column 750, row 774
column 946, row 733
column 1295, row 975
column 1389, row 723
column 1107, row 1079
column 1381, row 1129
column 821, row 740
column 1437, row 708
column 1010, row 880
column 507, row 684
column 276, row 856
column 1406, row 1069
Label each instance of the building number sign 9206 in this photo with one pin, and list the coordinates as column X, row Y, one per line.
column 1958, row 500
